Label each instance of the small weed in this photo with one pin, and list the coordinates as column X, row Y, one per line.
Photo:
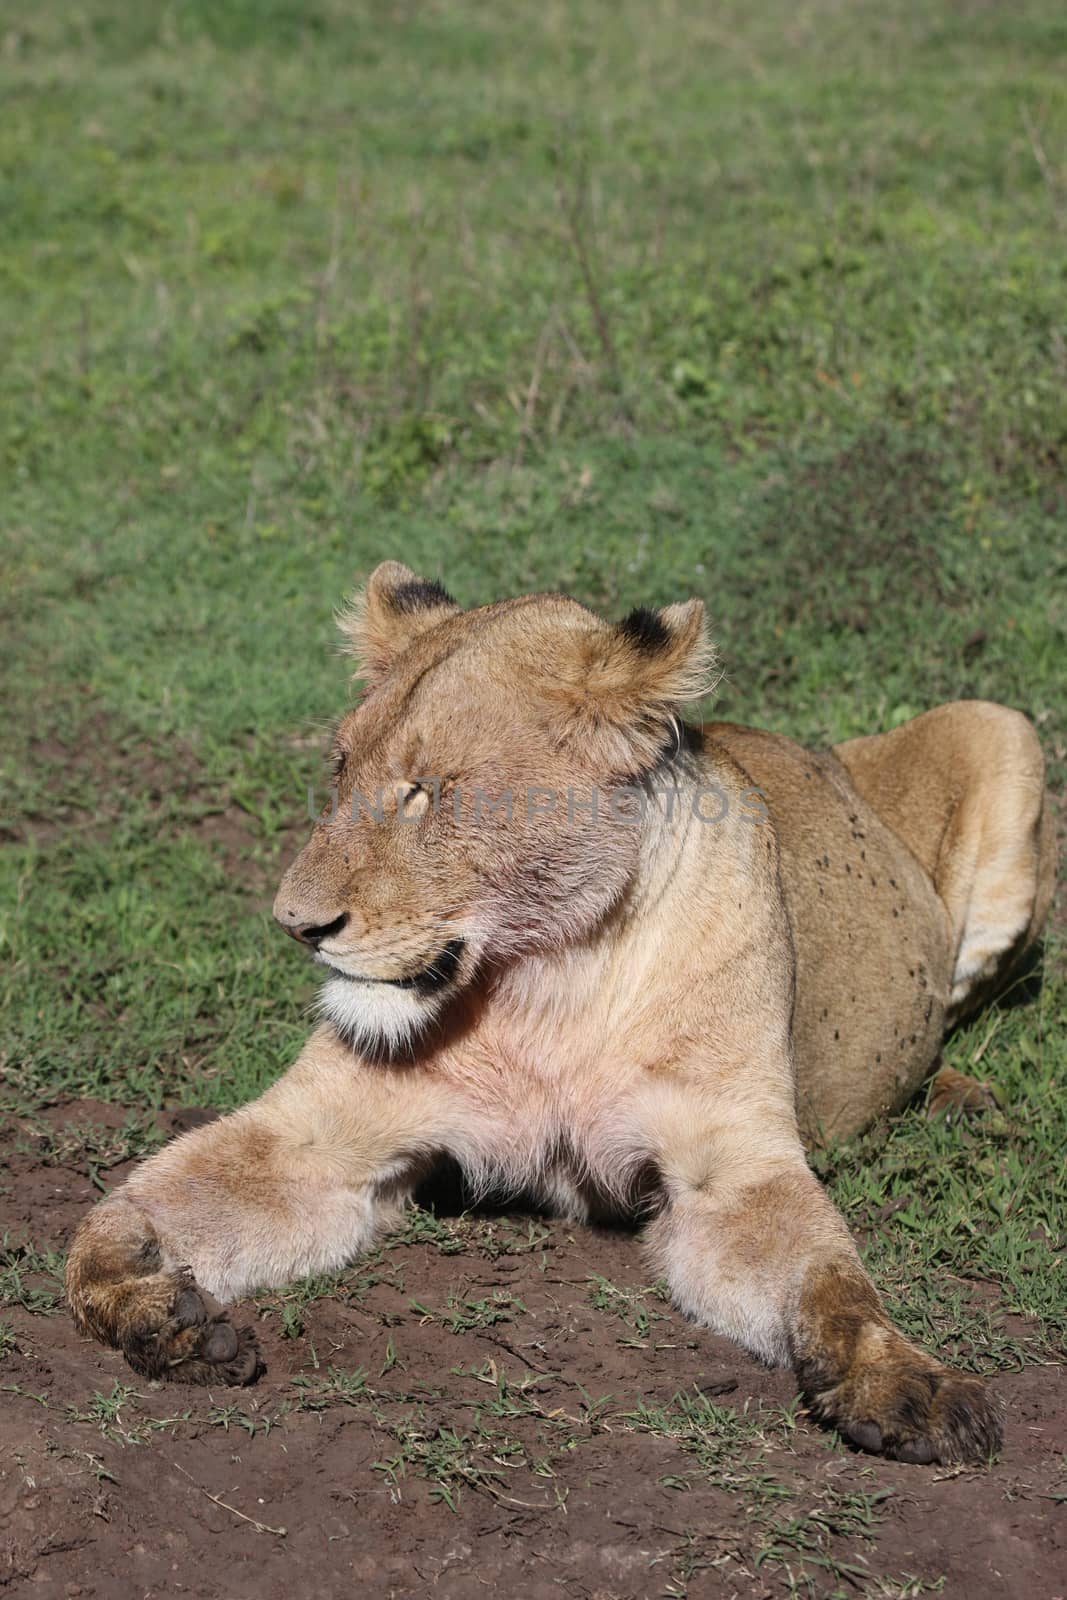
column 104, row 1411
column 453, row 1459
column 461, row 1316
column 491, row 1237
column 448, row 1458
column 348, row 1287
column 725, row 1444
column 252, row 1423
column 21, row 1266
column 292, row 1323
column 425, row 1227
column 99, row 1469
column 26, row 1394
column 90, row 1147
column 513, row 1398
column 335, row 1388
column 802, row 1544
column 629, row 1305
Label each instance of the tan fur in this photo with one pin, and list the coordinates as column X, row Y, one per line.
column 651, row 1005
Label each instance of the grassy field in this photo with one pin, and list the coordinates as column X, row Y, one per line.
column 765, row 304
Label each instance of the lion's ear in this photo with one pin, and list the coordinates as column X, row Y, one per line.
column 668, row 654
column 380, row 621
column 622, row 684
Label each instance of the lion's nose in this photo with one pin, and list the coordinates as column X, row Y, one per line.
column 309, row 932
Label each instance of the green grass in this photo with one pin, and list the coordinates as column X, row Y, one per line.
column 763, row 304
column 767, row 308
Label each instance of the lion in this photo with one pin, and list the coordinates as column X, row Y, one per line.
column 627, row 965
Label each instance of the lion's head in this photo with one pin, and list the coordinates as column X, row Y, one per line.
column 476, row 812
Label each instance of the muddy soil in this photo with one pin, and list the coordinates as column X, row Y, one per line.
column 494, row 1404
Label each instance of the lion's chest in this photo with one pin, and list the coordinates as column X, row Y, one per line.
column 555, row 1111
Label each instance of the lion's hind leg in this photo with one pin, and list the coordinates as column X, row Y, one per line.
column 954, row 1095
column 963, row 786
column 997, row 883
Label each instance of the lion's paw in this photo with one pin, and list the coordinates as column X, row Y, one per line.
column 954, row 1096
column 917, row 1412
column 197, row 1343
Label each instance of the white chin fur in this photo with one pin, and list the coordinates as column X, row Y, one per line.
column 374, row 1016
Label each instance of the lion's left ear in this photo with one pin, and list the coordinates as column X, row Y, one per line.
column 622, row 684
column 380, row 621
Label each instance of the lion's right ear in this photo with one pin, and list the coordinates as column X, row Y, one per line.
column 380, row 621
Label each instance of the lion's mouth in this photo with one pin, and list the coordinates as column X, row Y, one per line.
column 429, row 980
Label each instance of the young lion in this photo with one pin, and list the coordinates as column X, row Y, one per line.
column 622, row 963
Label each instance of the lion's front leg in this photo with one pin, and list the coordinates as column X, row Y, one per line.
column 859, row 1373
column 301, row 1181
column 752, row 1245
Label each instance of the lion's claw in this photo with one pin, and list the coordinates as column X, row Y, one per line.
column 189, row 1307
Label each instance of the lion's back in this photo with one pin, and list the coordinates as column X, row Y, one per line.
column 871, row 937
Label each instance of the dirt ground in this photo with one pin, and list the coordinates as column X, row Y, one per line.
column 493, row 1403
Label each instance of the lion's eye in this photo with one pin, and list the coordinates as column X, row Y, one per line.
column 413, row 800
column 337, row 764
